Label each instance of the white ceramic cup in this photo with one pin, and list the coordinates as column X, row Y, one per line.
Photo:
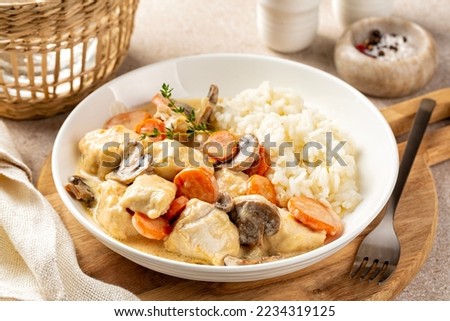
column 287, row 25
column 349, row 11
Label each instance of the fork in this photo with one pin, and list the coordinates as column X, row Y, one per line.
column 379, row 252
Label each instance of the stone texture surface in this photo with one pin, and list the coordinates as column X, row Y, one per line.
column 173, row 28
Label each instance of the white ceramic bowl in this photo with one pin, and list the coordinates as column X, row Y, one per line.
column 377, row 159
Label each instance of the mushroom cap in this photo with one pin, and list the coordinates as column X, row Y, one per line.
column 208, row 104
column 132, row 166
column 224, row 202
column 255, row 216
column 213, row 94
column 80, row 189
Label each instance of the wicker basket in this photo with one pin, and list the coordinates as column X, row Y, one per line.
column 53, row 53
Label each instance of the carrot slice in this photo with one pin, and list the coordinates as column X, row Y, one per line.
column 221, row 145
column 129, row 119
column 197, row 183
column 261, row 185
column 261, row 166
column 152, row 228
column 154, row 128
column 315, row 215
column 176, row 207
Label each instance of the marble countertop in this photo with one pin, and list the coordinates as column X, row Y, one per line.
column 173, row 28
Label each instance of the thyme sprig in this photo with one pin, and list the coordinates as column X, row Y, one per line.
column 153, row 134
column 170, row 133
column 166, row 92
column 193, row 127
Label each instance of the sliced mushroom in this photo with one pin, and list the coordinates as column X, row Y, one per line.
column 247, row 155
column 255, row 216
column 78, row 188
column 208, row 104
column 132, row 166
column 224, row 202
column 188, row 109
column 230, row 260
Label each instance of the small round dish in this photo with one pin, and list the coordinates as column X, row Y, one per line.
column 382, row 77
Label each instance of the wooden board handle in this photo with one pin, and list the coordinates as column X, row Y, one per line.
column 400, row 116
column 435, row 146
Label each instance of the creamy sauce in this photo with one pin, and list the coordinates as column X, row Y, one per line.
column 155, row 247
column 141, row 243
column 146, row 245
column 151, row 108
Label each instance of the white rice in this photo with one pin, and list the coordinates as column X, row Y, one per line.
column 282, row 114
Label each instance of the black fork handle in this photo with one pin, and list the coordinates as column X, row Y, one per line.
column 416, row 134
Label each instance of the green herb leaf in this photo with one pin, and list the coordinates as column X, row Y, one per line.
column 166, row 92
column 178, row 109
column 155, row 133
column 191, row 116
column 169, row 132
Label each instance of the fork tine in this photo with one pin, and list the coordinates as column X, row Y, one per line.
column 378, row 271
column 368, row 269
column 357, row 266
column 390, row 268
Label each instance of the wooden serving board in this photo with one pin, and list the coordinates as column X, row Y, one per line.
column 415, row 224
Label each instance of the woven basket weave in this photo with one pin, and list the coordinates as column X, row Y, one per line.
column 53, row 53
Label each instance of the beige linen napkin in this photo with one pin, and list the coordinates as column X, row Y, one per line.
column 37, row 256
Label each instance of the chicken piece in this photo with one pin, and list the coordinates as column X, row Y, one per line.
column 102, row 149
column 170, row 157
column 293, row 236
column 159, row 100
column 205, row 233
column 150, row 195
column 109, row 214
column 163, row 111
column 231, row 182
column 176, row 121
